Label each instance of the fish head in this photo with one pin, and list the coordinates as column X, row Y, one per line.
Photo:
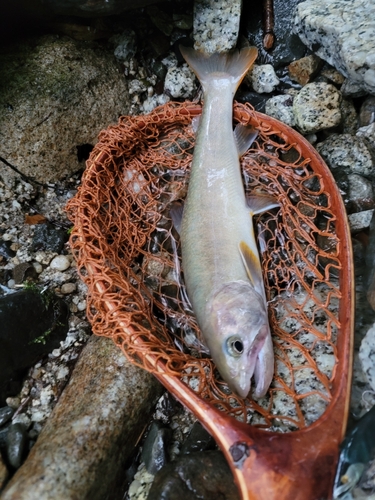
column 239, row 326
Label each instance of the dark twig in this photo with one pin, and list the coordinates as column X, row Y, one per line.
column 268, row 23
column 24, row 176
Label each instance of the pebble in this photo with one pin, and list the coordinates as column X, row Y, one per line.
column 6, row 413
column 303, row 70
column 367, row 356
column 367, row 133
column 154, row 452
column 349, row 117
column 361, row 193
column 68, row 288
column 263, row 78
column 13, row 402
column 367, row 112
column 16, row 444
column 216, row 25
column 317, row 107
column 180, row 82
column 347, row 154
column 281, row 108
column 360, row 220
column 60, row 263
column 125, row 45
column 341, row 33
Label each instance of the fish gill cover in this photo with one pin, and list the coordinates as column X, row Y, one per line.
column 128, row 254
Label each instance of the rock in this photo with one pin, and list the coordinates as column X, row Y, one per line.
column 343, row 34
column 32, row 325
column 57, row 94
column 263, row 78
column 198, row 440
column 317, row 107
column 94, row 8
column 16, row 444
column 367, row 356
column 154, row 452
column 5, row 250
column 361, row 193
column 23, row 271
column 204, row 475
column 303, row 70
column 125, row 45
column 281, row 108
column 367, row 133
column 349, row 117
column 4, row 473
column 333, row 75
column 258, row 101
column 367, row 112
column 288, row 46
column 360, row 220
column 60, row 263
column 49, row 237
column 351, row 89
column 216, row 25
column 68, row 288
column 6, row 413
column 180, row 82
column 92, row 430
column 348, row 154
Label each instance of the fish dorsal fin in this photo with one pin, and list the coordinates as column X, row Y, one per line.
column 252, row 265
column 259, row 203
column 176, row 212
column 244, row 137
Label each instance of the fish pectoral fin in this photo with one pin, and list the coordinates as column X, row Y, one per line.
column 264, row 369
column 252, row 265
column 259, row 203
column 176, row 212
column 195, row 123
column 244, row 137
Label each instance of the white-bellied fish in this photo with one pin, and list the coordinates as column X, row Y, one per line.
column 219, row 253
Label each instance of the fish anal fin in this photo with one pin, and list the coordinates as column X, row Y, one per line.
column 259, row 203
column 176, row 213
column 252, row 265
column 244, row 137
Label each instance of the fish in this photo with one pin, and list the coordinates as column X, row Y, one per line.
column 220, row 260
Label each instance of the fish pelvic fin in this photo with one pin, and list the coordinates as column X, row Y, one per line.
column 244, row 136
column 233, row 65
column 252, row 265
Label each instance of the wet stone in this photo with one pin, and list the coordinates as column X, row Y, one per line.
column 32, row 325
column 360, row 220
column 347, row 153
column 263, row 78
column 317, row 107
column 361, row 193
column 303, row 70
column 367, row 356
column 198, row 440
column 281, row 108
column 47, row 237
column 203, row 475
column 368, row 135
column 6, row 413
column 5, row 250
column 180, row 82
column 154, row 452
column 16, row 444
column 367, row 112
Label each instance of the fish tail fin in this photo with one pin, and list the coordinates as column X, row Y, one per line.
column 233, row 65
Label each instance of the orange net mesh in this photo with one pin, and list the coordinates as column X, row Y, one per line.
column 128, row 254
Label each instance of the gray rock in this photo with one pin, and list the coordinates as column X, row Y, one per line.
column 16, row 444
column 348, row 154
column 48, row 237
column 92, row 430
column 351, row 89
column 367, row 133
column 4, row 473
column 367, row 356
column 154, row 451
column 281, row 108
column 349, row 117
column 360, row 220
column 6, row 413
column 125, row 45
column 263, row 78
column 216, row 25
column 343, row 34
column 180, row 82
column 56, row 94
column 361, row 193
column 198, row 440
column 367, row 112
column 317, row 107
column 204, row 475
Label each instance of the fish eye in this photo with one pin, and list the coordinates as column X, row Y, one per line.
column 235, row 346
